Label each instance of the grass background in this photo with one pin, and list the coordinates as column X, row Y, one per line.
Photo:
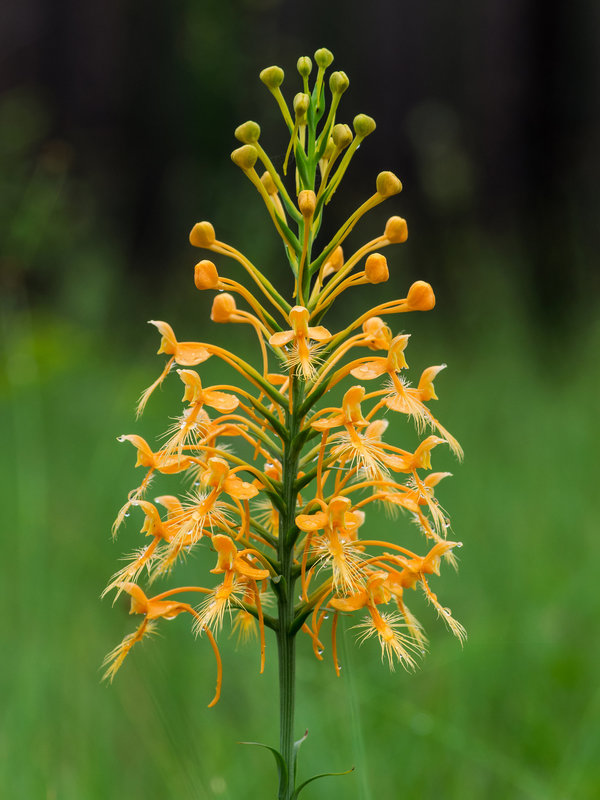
column 514, row 714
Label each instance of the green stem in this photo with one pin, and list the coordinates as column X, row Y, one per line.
column 286, row 641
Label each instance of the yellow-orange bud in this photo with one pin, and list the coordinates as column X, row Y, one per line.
column 323, row 57
column 248, row 132
column 363, row 125
column 268, row 182
column 272, row 77
column 307, row 202
column 376, row 268
column 335, row 261
column 396, row 230
column 420, row 296
column 245, row 157
column 202, row 235
column 388, row 184
column 223, row 307
column 206, row 275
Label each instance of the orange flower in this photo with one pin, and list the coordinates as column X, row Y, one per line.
column 240, row 576
column 194, row 423
column 412, row 402
column 153, row 609
column 336, row 548
column 186, row 354
column 161, row 461
column 303, row 354
column 386, row 626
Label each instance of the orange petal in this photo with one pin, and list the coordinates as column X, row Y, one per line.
column 319, row 334
column 282, row 338
column 312, row 522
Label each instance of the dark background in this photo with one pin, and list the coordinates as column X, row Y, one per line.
column 488, row 111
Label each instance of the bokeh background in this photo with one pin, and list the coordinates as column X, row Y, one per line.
column 116, row 123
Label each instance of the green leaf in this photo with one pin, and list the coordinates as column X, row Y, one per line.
column 279, row 760
column 314, row 778
column 297, row 746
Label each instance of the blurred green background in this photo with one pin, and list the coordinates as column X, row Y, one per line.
column 116, row 124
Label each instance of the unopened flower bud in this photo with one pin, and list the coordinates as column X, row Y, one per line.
column 268, row 182
column 272, row 77
column 248, row 132
column 307, row 202
column 388, row 184
column 363, row 125
column 245, row 157
column 341, row 135
column 301, row 104
column 206, row 275
column 335, row 262
column 323, row 57
column 329, row 149
column 202, row 235
column 223, row 307
column 304, row 66
column 338, row 82
column 376, row 268
column 396, row 231
column 420, row 297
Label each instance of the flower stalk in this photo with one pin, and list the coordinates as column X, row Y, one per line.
column 281, row 486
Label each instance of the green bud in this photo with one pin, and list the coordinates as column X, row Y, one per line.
column 323, row 57
column 245, row 157
column 248, row 133
column 363, row 125
column 388, row 184
column 301, row 104
column 338, row 82
column 304, row 66
column 272, row 77
column 342, row 135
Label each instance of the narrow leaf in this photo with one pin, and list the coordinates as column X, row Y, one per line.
column 315, row 777
column 297, row 746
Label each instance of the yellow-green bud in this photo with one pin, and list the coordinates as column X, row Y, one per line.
column 202, row 235
column 376, row 268
column 248, row 133
column 338, row 82
column 304, row 66
column 396, row 230
column 323, row 57
column 341, row 135
column 329, row 149
column 272, row 77
column 363, row 125
column 301, row 104
column 245, row 157
column 388, row 184
column 268, row 182
column 206, row 275
column 307, row 202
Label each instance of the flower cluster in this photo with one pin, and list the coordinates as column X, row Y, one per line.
column 281, row 483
